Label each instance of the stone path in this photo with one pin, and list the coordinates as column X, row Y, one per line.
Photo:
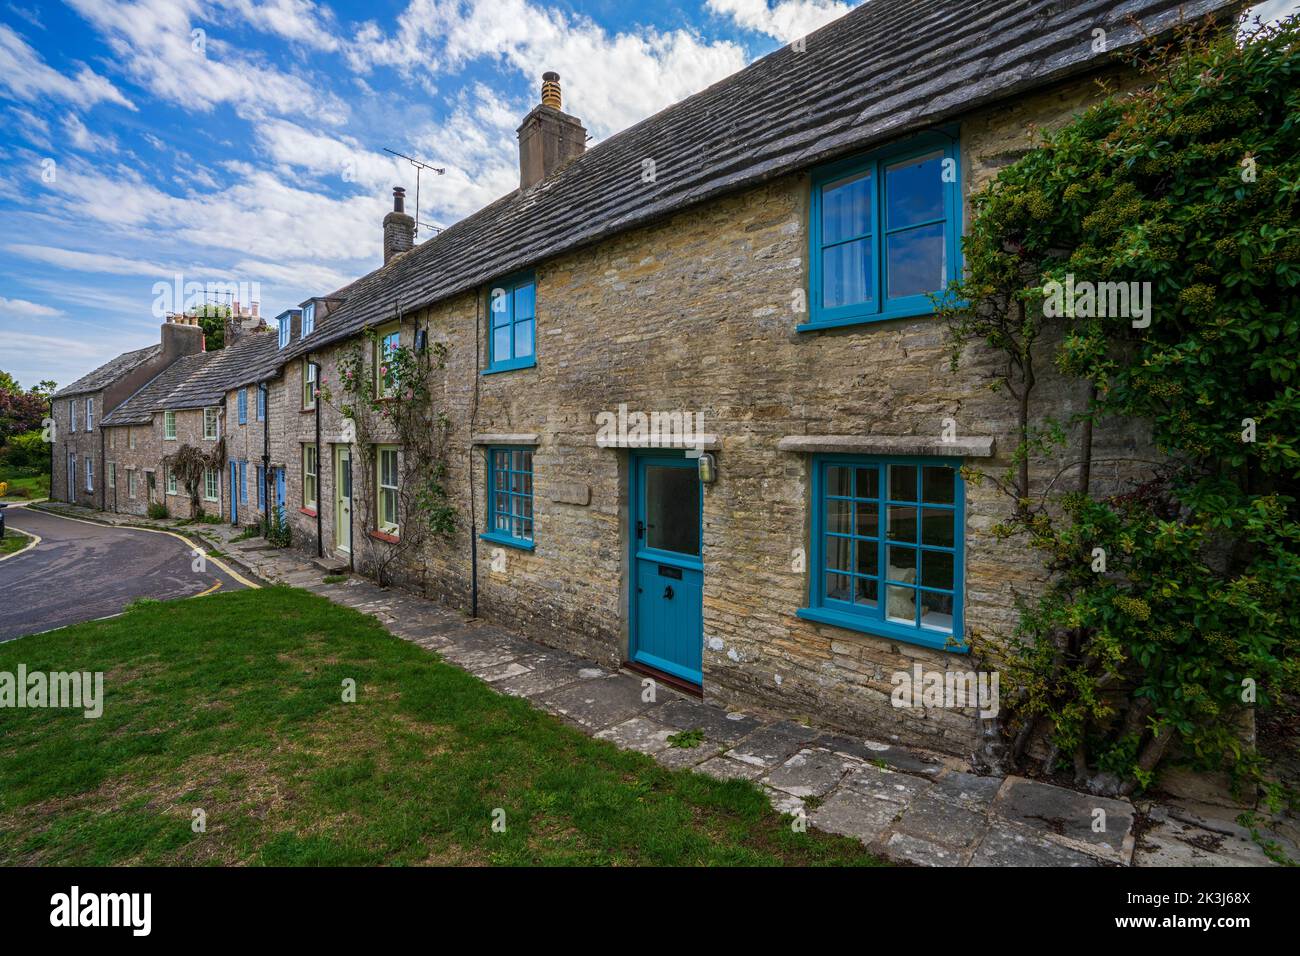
column 906, row 805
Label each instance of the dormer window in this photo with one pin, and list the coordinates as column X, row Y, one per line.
column 308, row 318
column 286, row 327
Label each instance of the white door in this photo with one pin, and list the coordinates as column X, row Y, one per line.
column 343, row 498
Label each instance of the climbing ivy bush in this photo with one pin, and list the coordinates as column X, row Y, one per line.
column 1173, row 608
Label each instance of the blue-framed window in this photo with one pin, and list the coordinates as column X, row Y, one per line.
column 286, row 328
column 243, row 482
column 308, row 319
column 886, row 555
column 512, row 324
column 261, row 487
column 243, row 406
column 885, row 233
column 261, row 402
column 510, row 497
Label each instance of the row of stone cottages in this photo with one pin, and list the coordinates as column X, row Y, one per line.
column 755, row 261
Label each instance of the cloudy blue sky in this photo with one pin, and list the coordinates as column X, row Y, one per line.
column 242, row 140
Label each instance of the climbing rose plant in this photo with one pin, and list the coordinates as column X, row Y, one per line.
column 394, row 404
column 1173, row 611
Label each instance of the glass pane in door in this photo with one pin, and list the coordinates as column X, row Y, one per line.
column 672, row 509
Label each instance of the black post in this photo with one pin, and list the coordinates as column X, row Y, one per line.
column 352, row 545
column 265, row 394
column 320, row 502
column 53, row 436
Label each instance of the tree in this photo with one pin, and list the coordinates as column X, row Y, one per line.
column 212, row 319
column 21, row 411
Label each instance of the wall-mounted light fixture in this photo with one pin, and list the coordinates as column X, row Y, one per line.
column 708, row 469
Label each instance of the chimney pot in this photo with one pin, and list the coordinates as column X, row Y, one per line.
column 399, row 199
column 551, row 90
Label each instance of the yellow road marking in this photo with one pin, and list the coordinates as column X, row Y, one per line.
column 179, row 537
column 208, row 591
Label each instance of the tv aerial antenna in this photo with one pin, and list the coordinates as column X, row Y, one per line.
column 420, row 167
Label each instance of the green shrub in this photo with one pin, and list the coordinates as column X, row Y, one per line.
column 27, row 452
column 157, row 510
column 276, row 530
column 1190, row 186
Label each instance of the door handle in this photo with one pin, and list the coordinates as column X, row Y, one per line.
column 668, row 592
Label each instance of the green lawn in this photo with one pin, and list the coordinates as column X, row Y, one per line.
column 24, row 487
column 14, row 540
column 232, row 704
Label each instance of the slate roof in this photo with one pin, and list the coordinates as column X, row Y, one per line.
column 196, row 381
column 888, row 68
column 109, row 372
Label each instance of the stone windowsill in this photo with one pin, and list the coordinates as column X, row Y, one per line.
column 968, row 447
column 527, row 438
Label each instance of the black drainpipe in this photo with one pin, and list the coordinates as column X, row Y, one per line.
column 265, row 394
column 320, row 498
column 53, row 436
column 473, row 505
column 352, row 545
column 103, row 469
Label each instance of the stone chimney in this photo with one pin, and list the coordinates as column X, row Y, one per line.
column 549, row 138
column 181, row 335
column 399, row 228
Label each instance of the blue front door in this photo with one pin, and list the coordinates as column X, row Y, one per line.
column 279, row 490
column 667, row 613
column 234, row 501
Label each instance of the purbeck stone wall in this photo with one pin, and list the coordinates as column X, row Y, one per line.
column 696, row 314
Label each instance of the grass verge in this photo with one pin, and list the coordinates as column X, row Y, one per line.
column 14, row 540
column 233, row 705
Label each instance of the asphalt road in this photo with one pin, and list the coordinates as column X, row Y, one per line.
column 83, row 571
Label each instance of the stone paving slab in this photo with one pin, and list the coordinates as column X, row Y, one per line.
column 598, row 703
column 889, row 786
column 640, row 734
column 724, row 768
column 869, row 751
column 810, row 773
column 771, row 745
column 855, row 814
column 1097, row 825
column 966, row 790
column 686, row 758
column 686, row 713
column 941, row 824
column 1007, row 844
column 921, row 852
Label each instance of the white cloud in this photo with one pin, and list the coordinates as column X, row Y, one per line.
column 26, row 76
column 15, row 342
column 786, row 20
column 300, row 21
column 97, row 262
column 610, row 81
column 83, row 139
column 153, row 41
column 21, row 308
column 34, row 128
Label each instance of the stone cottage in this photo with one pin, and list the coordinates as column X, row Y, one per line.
column 80, row 461
column 185, row 406
column 687, row 400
